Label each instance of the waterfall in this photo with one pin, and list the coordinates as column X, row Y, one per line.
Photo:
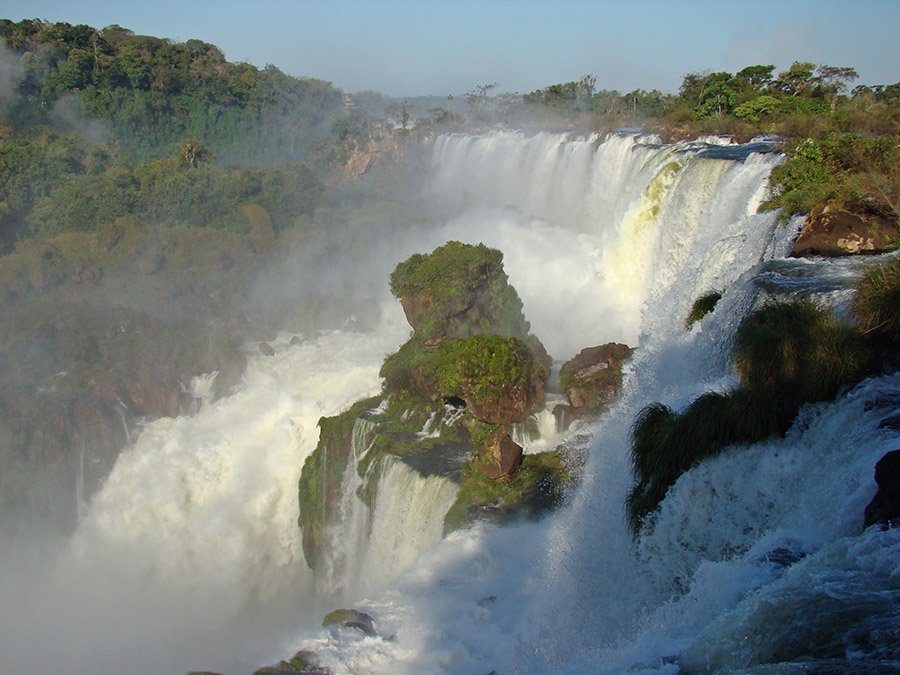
column 716, row 572
column 407, row 519
column 592, row 230
column 604, row 239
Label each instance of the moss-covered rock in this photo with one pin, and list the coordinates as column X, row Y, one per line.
column 457, row 291
column 452, row 393
column 301, row 662
column 350, row 618
column 539, row 485
column 319, row 488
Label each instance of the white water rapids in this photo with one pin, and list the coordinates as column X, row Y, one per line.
column 189, row 558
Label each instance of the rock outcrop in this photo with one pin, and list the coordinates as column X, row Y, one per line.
column 350, row 618
column 457, row 291
column 76, row 380
column 884, row 509
column 837, row 229
column 451, row 395
column 502, row 456
column 592, row 379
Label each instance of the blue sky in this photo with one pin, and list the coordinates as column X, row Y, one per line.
column 406, row 48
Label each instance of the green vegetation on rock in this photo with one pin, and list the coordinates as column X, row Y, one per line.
column 458, row 290
column 702, row 306
column 539, row 485
column 319, row 488
column 786, row 354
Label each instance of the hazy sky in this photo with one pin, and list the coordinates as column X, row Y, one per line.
column 407, row 48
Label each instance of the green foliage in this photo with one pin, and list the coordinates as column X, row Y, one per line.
column 447, row 271
column 756, row 109
column 86, row 202
column 485, row 365
column 876, row 305
column 786, row 354
column 801, row 182
column 399, row 369
column 799, row 351
column 152, row 93
column 702, row 306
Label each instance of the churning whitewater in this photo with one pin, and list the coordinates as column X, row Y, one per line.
column 605, row 239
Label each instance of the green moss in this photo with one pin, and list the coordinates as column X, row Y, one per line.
column 319, row 487
column 459, row 290
column 299, row 662
column 702, row 306
column 538, row 485
column 399, row 369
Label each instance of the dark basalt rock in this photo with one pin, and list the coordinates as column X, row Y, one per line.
column 836, row 229
column 884, row 509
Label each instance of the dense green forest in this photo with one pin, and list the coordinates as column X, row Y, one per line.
column 101, row 124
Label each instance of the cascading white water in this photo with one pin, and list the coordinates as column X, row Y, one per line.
column 591, row 230
column 604, row 239
column 576, row 593
column 407, row 519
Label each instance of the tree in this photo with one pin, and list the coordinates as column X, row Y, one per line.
column 834, row 80
column 756, row 77
column 757, row 108
column 798, row 79
column 718, row 95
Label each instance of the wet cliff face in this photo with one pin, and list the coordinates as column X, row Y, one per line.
column 77, row 379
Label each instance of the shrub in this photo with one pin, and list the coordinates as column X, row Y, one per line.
column 786, row 354
column 798, row 349
column 876, row 306
column 801, row 182
column 702, row 306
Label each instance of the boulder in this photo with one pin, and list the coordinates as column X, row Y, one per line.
column 501, row 456
column 884, row 509
column 836, row 229
column 302, row 662
column 350, row 618
column 593, row 378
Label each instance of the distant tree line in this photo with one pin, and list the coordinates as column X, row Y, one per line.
column 151, row 93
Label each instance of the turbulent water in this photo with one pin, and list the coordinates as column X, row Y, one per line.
column 189, row 558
